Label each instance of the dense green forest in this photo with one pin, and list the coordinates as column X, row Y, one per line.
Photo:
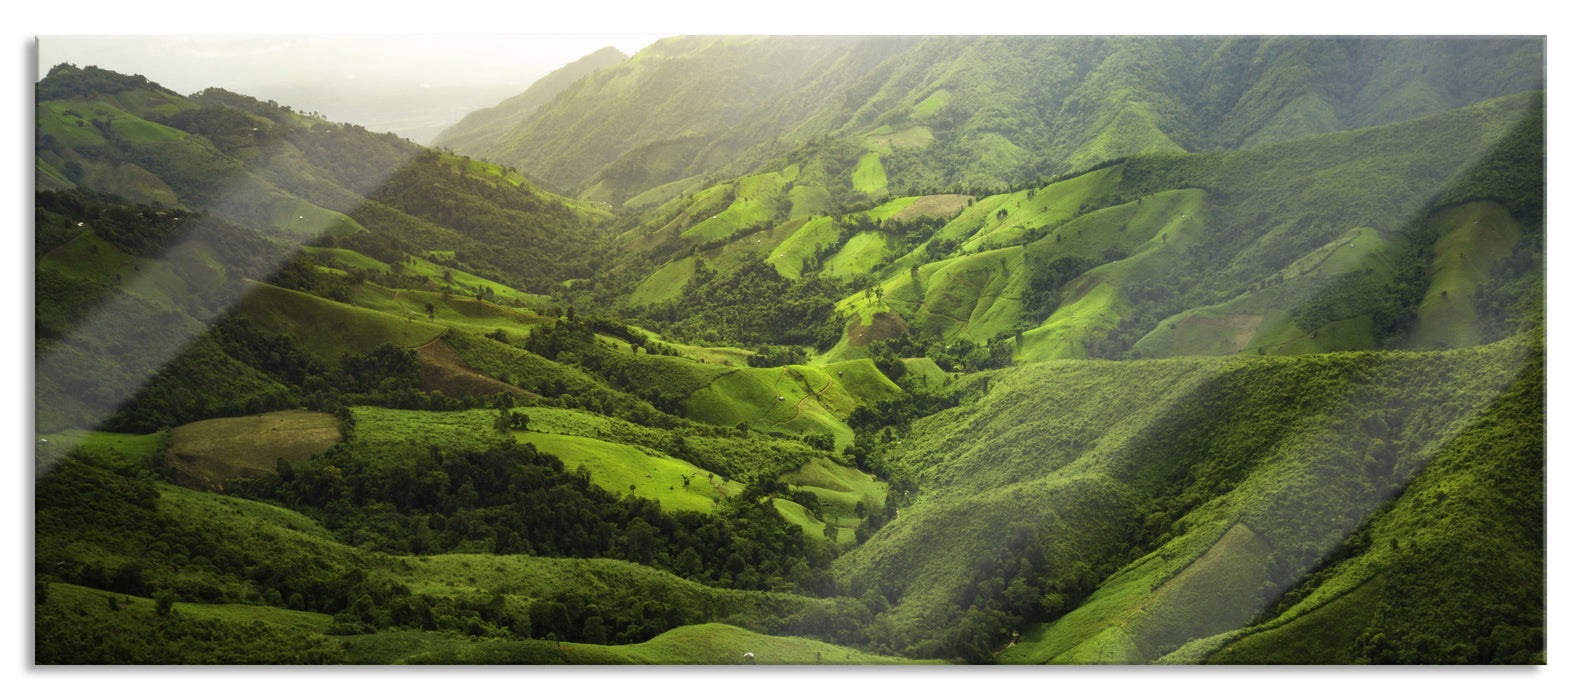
column 807, row 350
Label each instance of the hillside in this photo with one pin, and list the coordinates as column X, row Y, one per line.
column 669, row 99
column 1319, row 244
column 962, row 350
column 1179, row 508
column 298, row 178
column 934, row 113
column 486, row 125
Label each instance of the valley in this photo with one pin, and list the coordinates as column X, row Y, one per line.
column 806, row 351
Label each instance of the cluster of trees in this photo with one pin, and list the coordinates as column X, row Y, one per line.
column 232, row 369
column 67, row 81
column 962, row 354
column 511, row 499
column 753, row 305
column 777, row 356
column 487, row 222
column 1042, row 295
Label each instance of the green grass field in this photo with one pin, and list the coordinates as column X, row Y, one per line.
column 869, row 175
column 797, row 399
column 971, row 296
column 625, row 469
column 709, row 644
column 135, row 448
column 787, row 257
column 718, row 644
column 839, row 490
column 859, row 256
column 327, row 328
column 1476, row 238
column 460, row 313
column 666, row 282
column 1146, row 612
column 931, row 104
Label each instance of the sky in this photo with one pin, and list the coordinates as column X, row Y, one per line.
column 413, row 85
column 190, row 63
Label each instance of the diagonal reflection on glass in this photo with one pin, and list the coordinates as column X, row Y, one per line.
column 1267, row 505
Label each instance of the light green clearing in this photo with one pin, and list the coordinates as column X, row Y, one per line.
column 788, row 256
column 65, row 127
column 795, row 399
column 298, row 216
column 869, row 177
column 807, row 200
column 229, row 613
column 889, row 208
column 860, row 255
column 974, row 296
column 721, row 644
column 133, row 447
column 666, row 282
column 754, row 205
column 460, row 313
column 1061, row 335
column 840, row 487
column 1480, row 235
column 1050, row 206
column 931, row 104
column 466, row 281
column 926, row 370
column 753, row 248
column 886, row 139
column 626, row 469
column 1157, row 225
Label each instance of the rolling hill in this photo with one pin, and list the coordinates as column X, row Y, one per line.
column 1014, row 350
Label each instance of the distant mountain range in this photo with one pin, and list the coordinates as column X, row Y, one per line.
column 941, row 112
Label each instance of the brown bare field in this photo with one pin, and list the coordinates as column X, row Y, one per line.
column 1242, row 325
column 886, row 325
column 945, row 205
column 209, row 454
column 446, row 373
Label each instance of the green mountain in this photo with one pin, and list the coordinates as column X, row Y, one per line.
column 928, row 114
column 297, row 177
column 672, row 100
column 1175, row 351
column 1306, row 246
column 486, row 125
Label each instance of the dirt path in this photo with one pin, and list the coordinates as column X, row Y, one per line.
column 816, row 394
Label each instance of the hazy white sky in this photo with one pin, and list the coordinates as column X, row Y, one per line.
column 190, row 63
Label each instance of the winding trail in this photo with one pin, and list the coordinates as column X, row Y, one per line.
column 816, row 394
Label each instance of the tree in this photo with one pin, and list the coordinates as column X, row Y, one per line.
column 165, row 602
column 593, row 631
